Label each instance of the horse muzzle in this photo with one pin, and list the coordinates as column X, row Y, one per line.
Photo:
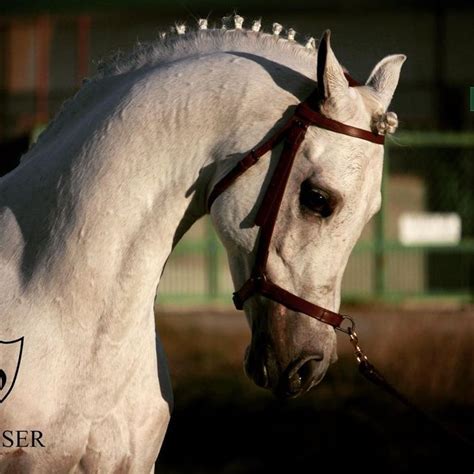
column 285, row 380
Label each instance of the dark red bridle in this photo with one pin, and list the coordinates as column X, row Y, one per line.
column 292, row 134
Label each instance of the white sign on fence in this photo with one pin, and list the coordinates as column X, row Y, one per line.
column 429, row 228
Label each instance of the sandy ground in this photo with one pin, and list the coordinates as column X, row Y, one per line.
column 223, row 423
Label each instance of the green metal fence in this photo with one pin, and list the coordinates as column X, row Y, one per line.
column 423, row 172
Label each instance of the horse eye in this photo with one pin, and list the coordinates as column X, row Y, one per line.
column 315, row 200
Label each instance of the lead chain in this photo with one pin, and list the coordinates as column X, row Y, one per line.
column 360, row 356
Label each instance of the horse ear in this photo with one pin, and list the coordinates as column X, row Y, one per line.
column 383, row 79
column 331, row 80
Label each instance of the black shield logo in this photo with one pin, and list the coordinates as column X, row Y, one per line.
column 10, row 358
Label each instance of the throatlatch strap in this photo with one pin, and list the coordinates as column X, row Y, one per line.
column 246, row 162
column 268, row 211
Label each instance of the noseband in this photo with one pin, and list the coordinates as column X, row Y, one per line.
column 292, row 135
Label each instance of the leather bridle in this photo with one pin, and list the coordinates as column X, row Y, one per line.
column 292, row 135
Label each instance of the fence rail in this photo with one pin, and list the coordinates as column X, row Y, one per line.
column 423, row 171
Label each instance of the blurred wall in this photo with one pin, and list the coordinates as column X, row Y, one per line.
column 46, row 47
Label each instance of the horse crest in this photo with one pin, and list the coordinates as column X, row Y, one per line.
column 10, row 358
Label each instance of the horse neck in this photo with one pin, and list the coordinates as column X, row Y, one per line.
column 111, row 194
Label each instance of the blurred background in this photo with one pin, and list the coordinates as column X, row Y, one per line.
column 409, row 281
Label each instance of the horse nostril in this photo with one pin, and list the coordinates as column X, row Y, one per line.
column 294, row 383
column 308, row 370
column 264, row 376
column 260, row 375
column 304, row 374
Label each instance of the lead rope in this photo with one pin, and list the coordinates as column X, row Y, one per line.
column 369, row 371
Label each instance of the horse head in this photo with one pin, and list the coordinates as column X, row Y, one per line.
column 333, row 190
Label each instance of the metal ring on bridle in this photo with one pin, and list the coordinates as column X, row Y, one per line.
column 347, row 328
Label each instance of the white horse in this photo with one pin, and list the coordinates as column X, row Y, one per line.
column 89, row 219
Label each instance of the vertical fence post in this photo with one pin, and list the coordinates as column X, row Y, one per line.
column 212, row 262
column 380, row 260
